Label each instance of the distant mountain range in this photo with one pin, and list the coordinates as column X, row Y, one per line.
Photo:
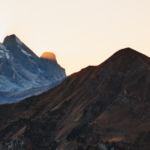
column 21, row 69
column 106, row 107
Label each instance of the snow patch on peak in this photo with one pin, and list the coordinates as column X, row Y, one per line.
column 1, row 51
column 7, row 55
column 2, row 46
column 18, row 41
column 25, row 52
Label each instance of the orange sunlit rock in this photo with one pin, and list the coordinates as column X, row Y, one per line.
column 48, row 55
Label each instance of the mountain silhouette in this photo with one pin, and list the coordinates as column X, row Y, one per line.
column 101, row 107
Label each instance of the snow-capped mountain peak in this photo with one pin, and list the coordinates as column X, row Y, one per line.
column 21, row 68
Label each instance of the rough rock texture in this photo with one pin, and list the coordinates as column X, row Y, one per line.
column 104, row 107
column 21, row 69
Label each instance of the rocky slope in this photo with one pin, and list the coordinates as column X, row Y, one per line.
column 21, row 69
column 104, row 107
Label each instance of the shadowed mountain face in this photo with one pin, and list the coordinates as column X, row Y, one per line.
column 21, row 69
column 108, row 103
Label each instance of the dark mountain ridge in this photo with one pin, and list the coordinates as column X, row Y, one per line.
column 101, row 107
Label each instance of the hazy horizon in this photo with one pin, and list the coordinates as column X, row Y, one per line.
column 80, row 33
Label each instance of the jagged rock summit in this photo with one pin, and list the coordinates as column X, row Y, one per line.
column 101, row 107
column 12, row 40
column 22, row 69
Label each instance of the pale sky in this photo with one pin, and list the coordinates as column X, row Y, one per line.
column 79, row 32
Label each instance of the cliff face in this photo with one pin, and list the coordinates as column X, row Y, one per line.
column 108, row 103
column 21, row 69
